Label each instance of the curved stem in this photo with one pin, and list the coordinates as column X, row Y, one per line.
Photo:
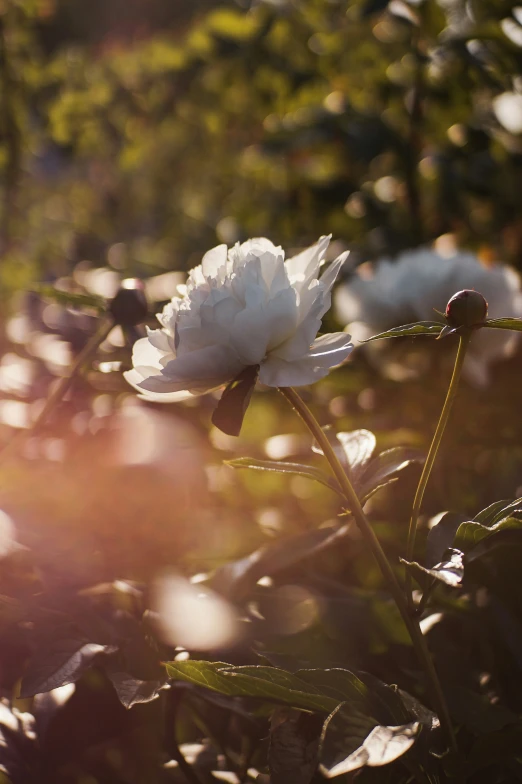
column 418, row 641
column 60, row 389
column 432, row 453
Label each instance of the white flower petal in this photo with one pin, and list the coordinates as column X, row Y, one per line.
column 258, row 246
column 329, row 277
column 299, row 343
column 160, row 339
column 146, row 355
column 158, row 390
column 314, row 303
column 326, row 352
column 213, row 260
column 334, row 343
column 307, row 263
column 251, row 334
column 282, row 317
column 212, row 365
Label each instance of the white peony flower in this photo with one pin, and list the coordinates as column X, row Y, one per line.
column 242, row 307
column 391, row 293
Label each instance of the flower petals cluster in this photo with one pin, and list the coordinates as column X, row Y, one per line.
column 412, row 288
column 243, row 307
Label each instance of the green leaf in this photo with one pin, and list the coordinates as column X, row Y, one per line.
column 280, row 686
column 202, row 673
column 410, row 330
column 299, row 469
column 445, row 331
column 366, row 493
column 63, row 661
column 441, row 536
column 358, row 447
column 337, row 683
column 348, row 745
column 70, row 299
column 509, row 510
column 488, row 515
column 293, row 747
column 131, row 690
column 331, row 435
column 352, row 737
column 450, row 572
column 382, row 469
column 504, row 323
column 267, row 683
column 469, row 534
column 507, row 534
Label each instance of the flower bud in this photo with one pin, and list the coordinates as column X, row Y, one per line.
column 129, row 306
column 466, row 309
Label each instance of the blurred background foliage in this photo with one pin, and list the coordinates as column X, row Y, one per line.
column 136, row 135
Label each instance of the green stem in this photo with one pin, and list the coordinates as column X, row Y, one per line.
column 60, row 389
column 418, row 641
column 432, row 454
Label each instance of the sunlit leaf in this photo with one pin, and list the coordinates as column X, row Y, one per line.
column 441, row 537
column 358, row 447
column 349, row 744
column 507, row 510
column 445, row 331
column 267, row 683
column 504, row 323
column 368, row 474
column 331, row 435
column 450, row 571
column 471, row 533
column 337, row 683
column 299, row 469
column 385, row 466
column 488, row 515
column 418, row 329
column 132, row 691
column 61, row 662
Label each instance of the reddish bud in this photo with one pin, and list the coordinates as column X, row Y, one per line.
column 466, row 309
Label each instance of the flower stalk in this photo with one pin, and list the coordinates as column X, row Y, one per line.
column 464, row 339
column 354, row 505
